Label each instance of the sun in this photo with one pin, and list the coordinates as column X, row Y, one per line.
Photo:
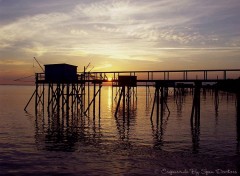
column 109, row 79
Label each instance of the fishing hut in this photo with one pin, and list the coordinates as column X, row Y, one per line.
column 60, row 73
column 126, row 86
column 65, row 89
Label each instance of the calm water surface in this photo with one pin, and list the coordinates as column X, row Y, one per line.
column 46, row 145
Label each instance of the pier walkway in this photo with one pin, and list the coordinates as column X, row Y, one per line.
column 215, row 75
column 68, row 88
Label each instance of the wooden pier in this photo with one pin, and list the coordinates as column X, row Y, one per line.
column 70, row 91
column 67, row 95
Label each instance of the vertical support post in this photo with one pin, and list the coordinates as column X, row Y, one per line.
column 238, row 114
column 196, row 104
column 43, row 92
column 36, row 97
column 58, row 99
column 124, row 100
column 195, row 117
column 83, row 91
column 88, row 88
column 162, row 101
column 82, row 97
column 128, row 99
column 53, row 96
column 99, row 101
column 83, row 101
column 67, row 100
column 76, row 97
column 146, row 94
column 72, row 98
column 135, row 93
column 112, row 90
column 205, row 75
column 49, row 94
column 224, row 74
column 63, row 99
column 158, row 103
column 63, row 96
column 94, row 102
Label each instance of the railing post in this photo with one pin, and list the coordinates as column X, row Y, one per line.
column 205, row 75
column 185, row 75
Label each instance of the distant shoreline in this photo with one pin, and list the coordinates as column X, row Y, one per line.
column 17, row 84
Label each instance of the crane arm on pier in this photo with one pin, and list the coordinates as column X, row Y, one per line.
column 38, row 63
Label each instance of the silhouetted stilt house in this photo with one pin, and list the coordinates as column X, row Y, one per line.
column 124, row 82
column 61, row 73
column 65, row 89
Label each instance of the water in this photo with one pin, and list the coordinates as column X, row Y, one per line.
column 42, row 145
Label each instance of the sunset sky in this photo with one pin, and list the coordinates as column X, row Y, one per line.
column 118, row 35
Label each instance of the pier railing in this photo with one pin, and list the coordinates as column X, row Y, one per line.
column 151, row 76
column 181, row 75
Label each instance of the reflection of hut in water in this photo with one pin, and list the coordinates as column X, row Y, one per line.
column 55, row 134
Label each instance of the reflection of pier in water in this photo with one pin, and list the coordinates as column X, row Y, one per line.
column 238, row 122
column 72, row 98
column 61, row 132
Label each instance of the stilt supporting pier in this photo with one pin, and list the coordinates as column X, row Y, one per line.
column 195, row 116
column 126, row 93
column 160, row 96
column 94, row 98
column 69, row 92
column 238, row 116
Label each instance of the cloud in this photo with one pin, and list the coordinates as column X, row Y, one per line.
column 131, row 30
column 78, row 32
column 100, row 67
column 106, row 10
column 163, row 22
column 13, row 62
column 31, row 28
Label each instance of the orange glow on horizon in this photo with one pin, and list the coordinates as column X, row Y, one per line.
column 109, row 79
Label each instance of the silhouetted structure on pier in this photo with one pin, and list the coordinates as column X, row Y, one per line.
column 126, row 82
column 72, row 95
column 69, row 90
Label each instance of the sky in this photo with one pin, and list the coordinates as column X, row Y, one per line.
column 117, row 35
